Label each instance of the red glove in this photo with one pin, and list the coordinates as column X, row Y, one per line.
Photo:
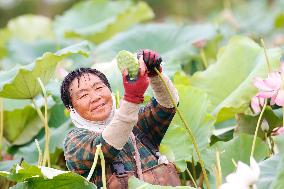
column 152, row 60
column 134, row 89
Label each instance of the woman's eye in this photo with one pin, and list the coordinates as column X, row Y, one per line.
column 99, row 87
column 83, row 96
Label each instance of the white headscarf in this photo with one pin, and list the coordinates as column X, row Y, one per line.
column 95, row 126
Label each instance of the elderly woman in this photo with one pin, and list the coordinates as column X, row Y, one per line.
column 129, row 136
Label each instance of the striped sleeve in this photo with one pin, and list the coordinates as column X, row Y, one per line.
column 80, row 148
column 154, row 120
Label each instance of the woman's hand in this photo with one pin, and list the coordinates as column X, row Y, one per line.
column 152, row 60
column 134, row 89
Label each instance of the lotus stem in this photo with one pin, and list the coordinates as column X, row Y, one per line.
column 266, row 56
column 191, row 177
column 257, row 127
column 218, row 169
column 95, row 162
column 235, row 163
column 117, row 99
column 204, row 59
column 268, row 143
column 103, row 165
column 282, row 116
column 1, row 125
column 39, row 153
column 38, row 110
column 46, row 157
column 188, row 130
column 193, row 167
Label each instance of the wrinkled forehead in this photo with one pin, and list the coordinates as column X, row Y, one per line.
column 84, row 81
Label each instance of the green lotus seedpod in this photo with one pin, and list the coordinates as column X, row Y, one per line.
column 127, row 60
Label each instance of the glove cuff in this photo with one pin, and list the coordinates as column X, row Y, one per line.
column 134, row 99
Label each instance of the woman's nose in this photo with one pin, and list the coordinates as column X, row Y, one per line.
column 94, row 97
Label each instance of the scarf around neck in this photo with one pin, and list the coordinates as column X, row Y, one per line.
column 94, row 126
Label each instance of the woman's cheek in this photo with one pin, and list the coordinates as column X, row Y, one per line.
column 83, row 105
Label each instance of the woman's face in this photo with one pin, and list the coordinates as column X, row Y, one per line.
column 90, row 97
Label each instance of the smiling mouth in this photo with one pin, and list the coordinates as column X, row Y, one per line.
column 98, row 107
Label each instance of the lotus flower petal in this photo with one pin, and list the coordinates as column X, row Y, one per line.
column 256, row 104
column 277, row 131
column 266, row 94
column 255, row 168
column 261, row 85
column 279, row 100
column 273, row 81
column 244, row 177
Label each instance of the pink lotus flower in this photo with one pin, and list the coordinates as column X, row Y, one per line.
column 256, row 104
column 272, row 87
column 277, row 131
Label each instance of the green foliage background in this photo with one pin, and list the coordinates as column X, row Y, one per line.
column 210, row 49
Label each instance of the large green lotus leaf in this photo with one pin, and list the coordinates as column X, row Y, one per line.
column 21, row 121
column 134, row 183
column 279, row 141
column 57, row 135
column 271, row 173
column 21, row 125
column 229, row 82
column 271, row 170
column 31, row 27
column 22, row 173
column 265, row 17
column 13, row 104
column 193, row 106
column 173, row 42
column 57, row 116
column 8, row 164
column 21, row 81
column 98, row 20
column 33, row 177
column 247, row 123
column 66, row 180
column 21, row 52
column 239, row 149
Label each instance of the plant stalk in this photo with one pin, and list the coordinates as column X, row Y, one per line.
column 117, row 99
column 95, row 162
column 283, row 117
column 257, row 127
column 46, row 157
column 1, row 126
column 266, row 56
column 38, row 110
column 193, row 167
column 218, row 169
column 39, row 153
column 188, row 130
column 235, row 163
column 204, row 59
column 103, row 165
column 191, row 177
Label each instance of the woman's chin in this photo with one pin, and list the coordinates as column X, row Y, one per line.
column 100, row 116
